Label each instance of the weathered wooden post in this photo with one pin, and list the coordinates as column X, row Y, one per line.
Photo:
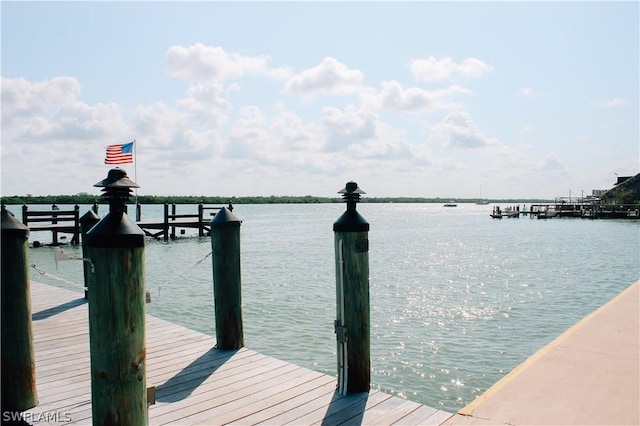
column 25, row 217
column 200, row 219
column 173, row 218
column 87, row 221
column 54, row 221
column 76, row 225
column 18, row 361
column 225, row 245
column 165, row 224
column 352, row 325
column 115, row 246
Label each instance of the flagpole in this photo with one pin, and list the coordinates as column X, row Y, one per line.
column 135, row 168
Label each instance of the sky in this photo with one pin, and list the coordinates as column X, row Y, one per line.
column 449, row 99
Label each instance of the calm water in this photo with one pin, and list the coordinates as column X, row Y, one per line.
column 457, row 299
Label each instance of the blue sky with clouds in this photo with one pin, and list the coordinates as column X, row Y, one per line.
column 427, row 99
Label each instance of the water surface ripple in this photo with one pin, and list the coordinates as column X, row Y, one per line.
column 457, row 299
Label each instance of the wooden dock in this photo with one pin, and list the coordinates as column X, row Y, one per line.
column 68, row 221
column 194, row 382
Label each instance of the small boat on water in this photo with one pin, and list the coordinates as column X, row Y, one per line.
column 451, row 204
column 482, row 201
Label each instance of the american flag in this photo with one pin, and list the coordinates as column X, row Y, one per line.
column 121, row 153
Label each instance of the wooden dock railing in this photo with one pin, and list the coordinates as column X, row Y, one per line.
column 54, row 220
column 68, row 221
column 171, row 220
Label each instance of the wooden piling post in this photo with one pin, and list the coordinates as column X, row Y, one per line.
column 25, row 216
column 200, row 219
column 54, row 221
column 173, row 219
column 87, row 221
column 225, row 245
column 352, row 325
column 165, row 226
column 76, row 225
column 18, row 360
column 115, row 246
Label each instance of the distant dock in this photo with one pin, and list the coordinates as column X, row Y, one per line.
column 195, row 383
column 562, row 208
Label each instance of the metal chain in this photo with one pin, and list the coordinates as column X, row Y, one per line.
column 47, row 274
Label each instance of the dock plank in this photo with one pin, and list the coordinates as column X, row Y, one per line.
column 195, row 382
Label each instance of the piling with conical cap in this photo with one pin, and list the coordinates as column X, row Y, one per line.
column 18, row 360
column 352, row 326
column 227, row 289
column 115, row 246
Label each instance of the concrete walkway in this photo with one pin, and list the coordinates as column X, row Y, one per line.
column 589, row 375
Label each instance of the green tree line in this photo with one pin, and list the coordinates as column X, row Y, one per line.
column 273, row 199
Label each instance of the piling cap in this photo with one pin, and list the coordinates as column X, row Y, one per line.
column 116, row 230
column 224, row 218
column 12, row 227
column 117, row 178
column 90, row 217
column 351, row 188
column 351, row 220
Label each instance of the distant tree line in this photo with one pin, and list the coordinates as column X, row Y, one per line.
column 273, row 199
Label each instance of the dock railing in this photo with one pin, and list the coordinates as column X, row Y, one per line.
column 54, row 220
column 58, row 221
column 171, row 220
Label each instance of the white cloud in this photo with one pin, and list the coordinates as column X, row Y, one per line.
column 344, row 128
column 169, row 136
column 206, row 104
column 610, row 103
column 249, row 137
column 22, row 99
column 415, row 99
column 294, row 133
column 200, row 62
column 458, row 130
column 329, row 77
column 434, row 69
column 49, row 111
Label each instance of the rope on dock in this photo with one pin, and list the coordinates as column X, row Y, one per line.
column 49, row 275
column 71, row 283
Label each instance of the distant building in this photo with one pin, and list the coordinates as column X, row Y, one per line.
column 622, row 179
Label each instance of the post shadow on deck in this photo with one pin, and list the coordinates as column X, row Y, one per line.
column 346, row 408
column 192, row 376
column 46, row 313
